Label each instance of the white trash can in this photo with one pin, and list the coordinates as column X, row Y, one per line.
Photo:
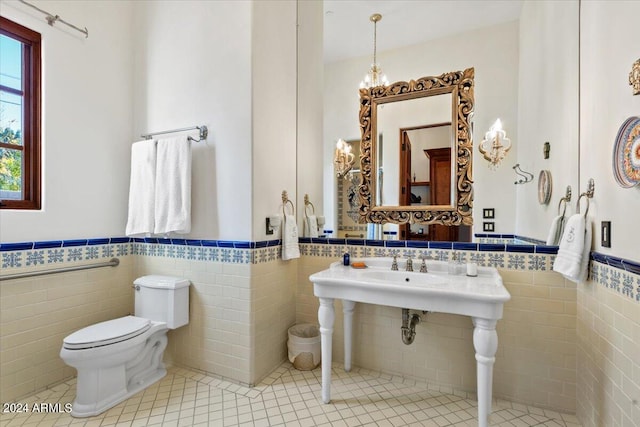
column 304, row 346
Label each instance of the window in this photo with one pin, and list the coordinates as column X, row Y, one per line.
column 19, row 116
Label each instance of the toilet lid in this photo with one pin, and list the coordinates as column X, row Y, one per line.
column 105, row 333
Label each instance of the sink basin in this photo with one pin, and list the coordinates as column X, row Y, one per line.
column 403, row 278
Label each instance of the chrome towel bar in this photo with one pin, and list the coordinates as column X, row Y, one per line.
column 204, row 132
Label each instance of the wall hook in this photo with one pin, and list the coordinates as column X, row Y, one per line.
column 566, row 199
column 526, row 176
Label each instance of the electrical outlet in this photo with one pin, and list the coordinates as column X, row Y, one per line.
column 605, row 234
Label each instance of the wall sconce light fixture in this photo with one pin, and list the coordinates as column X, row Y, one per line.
column 495, row 145
column 634, row 77
column 343, row 158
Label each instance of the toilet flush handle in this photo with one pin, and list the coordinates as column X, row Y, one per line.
column 136, row 287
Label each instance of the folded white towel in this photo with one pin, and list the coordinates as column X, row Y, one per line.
column 290, row 248
column 142, row 189
column 572, row 260
column 173, row 186
column 311, row 226
column 555, row 232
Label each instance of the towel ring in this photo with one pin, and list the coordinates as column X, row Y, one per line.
column 285, row 200
column 566, row 199
column 306, row 206
column 565, row 206
column 578, row 204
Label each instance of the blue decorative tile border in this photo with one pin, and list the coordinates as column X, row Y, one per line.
column 507, row 238
column 501, row 244
column 43, row 253
column 617, row 274
column 614, row 273
column 225, row 252
column 54, row 253
column 490, row 255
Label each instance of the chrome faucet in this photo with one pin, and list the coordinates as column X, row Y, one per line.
column 409, row 264
column 423, row 266
column 394, row 264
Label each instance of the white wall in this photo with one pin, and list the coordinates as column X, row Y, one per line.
column 310, row 105
column 86, row 122
column 547, row 110
column 193, row 67
column 273, row 111
column 609, row 46
column 608, row 323
column 493, row 52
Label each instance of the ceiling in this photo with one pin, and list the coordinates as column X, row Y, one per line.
column 348, row 32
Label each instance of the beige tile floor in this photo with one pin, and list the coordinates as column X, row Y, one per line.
column 288, row 397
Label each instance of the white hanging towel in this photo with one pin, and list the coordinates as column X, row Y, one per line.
column 555, row 232
column 290, row 248
column 173, row 186
column 311, row 226
column 142, row 189
column 572, row 260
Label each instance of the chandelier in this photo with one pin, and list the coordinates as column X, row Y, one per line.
column 375, row 76
column 343, row 158
column 495, row 145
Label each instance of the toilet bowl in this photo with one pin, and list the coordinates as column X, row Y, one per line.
column 117, row 358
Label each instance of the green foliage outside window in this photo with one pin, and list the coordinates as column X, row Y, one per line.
column 10, row 161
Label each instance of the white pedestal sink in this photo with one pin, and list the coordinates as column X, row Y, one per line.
column 480, row 297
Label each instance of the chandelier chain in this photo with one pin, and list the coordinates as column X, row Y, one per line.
column 375, row 32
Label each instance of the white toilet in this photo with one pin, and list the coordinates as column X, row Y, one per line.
column 118, row 358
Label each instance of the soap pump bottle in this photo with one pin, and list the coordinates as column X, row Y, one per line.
column 346, row 258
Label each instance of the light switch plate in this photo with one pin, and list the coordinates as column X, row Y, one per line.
column 605, row 234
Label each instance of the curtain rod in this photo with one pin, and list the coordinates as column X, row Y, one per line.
column 52, row 19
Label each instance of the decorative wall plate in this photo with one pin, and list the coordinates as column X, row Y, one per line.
column 626, row 153
column 544, row 187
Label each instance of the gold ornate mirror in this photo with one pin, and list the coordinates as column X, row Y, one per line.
column 383, row 107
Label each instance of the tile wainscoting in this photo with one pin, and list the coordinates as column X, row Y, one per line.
column 244, row 298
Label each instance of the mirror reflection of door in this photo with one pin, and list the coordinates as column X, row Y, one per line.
column 426, row 179
column 440, row 178
column 406, row 195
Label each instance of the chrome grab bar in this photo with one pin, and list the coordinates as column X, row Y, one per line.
column 113, row 262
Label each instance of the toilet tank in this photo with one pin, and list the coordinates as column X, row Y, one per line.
column 162, row 299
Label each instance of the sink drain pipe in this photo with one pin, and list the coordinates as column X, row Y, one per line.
column 409, row 323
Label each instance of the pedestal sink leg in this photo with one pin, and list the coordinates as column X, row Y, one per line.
column 347, row 309
column 326, row 317
column 485, row 341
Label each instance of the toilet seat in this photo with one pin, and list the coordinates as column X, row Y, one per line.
column 106, row 333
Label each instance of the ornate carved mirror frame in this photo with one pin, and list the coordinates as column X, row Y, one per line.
column 460, row 85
